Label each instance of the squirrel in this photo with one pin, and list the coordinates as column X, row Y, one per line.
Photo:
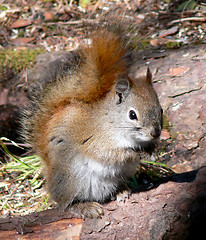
column 90, row 118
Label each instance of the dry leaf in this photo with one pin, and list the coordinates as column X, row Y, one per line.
column 165, row 134
column 48, row 16
column 21, row 41
column 168, row 32
column 21, row 23
column 154, row 42
column 178, row 70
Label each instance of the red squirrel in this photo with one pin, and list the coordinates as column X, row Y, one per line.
column 90, row 118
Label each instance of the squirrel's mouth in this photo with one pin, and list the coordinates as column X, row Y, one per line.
column 146, row 146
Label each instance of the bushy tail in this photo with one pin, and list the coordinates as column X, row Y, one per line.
column 103, row 62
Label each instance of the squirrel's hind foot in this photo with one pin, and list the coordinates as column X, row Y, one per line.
column 123, row 195
column 87, row 209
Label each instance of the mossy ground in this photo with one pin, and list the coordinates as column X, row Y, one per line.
column 18, row 59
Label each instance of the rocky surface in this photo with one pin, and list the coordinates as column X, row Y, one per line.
column 180, row 80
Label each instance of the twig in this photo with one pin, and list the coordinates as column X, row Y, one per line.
column 19, row 144
column 196, row 19
column 185, row 12
column 185, row 8
column 82, row 21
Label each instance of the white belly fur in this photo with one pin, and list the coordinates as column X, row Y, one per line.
column 97, row 181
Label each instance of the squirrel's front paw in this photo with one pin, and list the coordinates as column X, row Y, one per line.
column 88, row 209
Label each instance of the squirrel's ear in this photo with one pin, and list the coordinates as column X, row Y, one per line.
column 149, row 76
column 122, row 89
column 122, row 86
column 142, row 74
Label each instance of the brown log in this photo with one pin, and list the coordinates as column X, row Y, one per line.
column 175, row 208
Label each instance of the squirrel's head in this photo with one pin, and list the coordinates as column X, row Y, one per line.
column 135, row 114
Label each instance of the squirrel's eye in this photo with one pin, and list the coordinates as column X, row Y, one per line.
column 132, row 115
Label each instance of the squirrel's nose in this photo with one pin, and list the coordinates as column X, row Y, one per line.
column 155, row 132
